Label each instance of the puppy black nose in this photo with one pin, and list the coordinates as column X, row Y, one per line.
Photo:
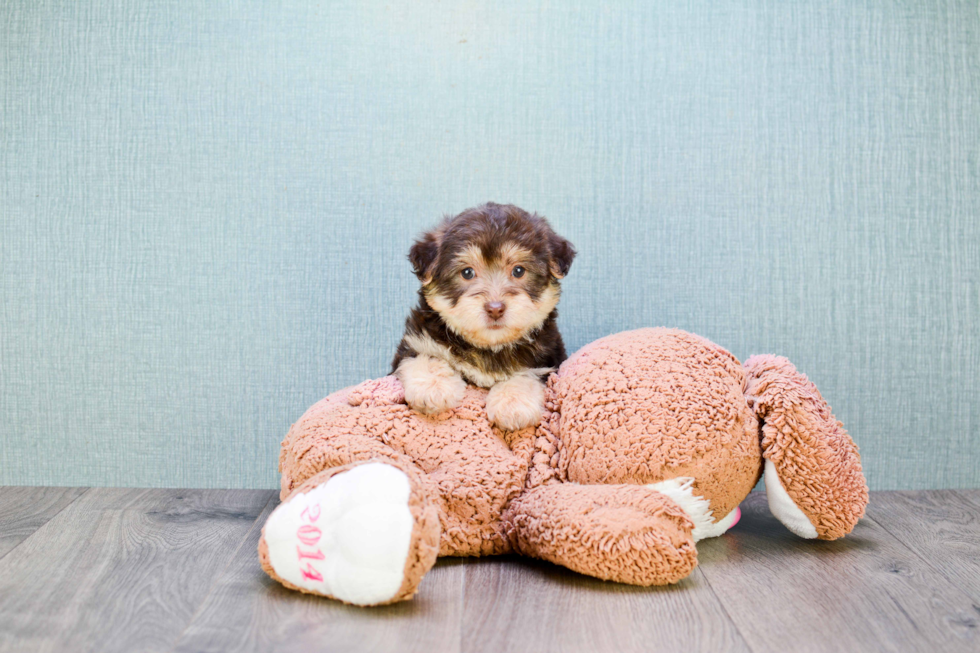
column 495, row 310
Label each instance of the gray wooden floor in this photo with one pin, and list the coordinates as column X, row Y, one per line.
column 176, row 570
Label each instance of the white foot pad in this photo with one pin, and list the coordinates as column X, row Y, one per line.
column 681, row 491
column 783, row 508
column 347, row 538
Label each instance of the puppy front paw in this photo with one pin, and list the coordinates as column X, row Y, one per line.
column 431, row 385
column 516, row 402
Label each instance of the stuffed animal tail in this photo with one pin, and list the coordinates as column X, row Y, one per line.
column 813, row 468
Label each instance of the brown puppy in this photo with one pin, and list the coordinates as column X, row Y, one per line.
column 486, row 313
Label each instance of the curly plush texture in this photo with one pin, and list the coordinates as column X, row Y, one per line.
column 569, row 524
column 467, row 464
column 642, row 406
column 630, row 410
column 818, row 463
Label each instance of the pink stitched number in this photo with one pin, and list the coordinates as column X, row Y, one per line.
column 316, row 555
column 310, row 573
column 308, row 535
column 311, row 513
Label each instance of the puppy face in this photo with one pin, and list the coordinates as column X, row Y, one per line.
column 492, row 272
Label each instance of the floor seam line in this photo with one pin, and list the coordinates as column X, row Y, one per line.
column 924, row 559
column 724, row 609
column 462, row 605
column 221, row 573
column 46, row 522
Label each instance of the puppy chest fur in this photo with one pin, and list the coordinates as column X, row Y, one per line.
column 485, row 367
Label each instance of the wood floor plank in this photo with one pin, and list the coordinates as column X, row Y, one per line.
column 519, row 604
column 247, row 611
column 942, row 526
column 121, row 570
column 156, row 570
column 973, row 496
column 866, row 592
column 23, row 510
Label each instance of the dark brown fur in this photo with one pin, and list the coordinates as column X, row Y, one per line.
column 490, row 227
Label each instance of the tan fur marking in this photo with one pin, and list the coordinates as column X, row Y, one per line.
column 512, row 254
column 468, row 318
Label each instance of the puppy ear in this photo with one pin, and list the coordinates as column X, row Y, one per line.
column 562, row 253
column 423, row 255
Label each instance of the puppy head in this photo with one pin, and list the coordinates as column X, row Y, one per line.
column 492, row 272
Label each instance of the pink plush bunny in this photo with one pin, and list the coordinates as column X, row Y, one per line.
column 649, row 441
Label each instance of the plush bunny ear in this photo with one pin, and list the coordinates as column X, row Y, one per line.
column 423, row 255
column 562, row 253
column 814, row 479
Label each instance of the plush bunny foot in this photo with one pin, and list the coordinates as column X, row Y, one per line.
column 625, row 533
column 681, row 491
column 363, row 536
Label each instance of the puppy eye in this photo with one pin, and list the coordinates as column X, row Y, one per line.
column 468, row 273
column 518, row 271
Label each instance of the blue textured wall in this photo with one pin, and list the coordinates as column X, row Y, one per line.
column 205, row 207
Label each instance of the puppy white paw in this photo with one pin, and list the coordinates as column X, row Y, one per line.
column 516, row 402
column 431, row 385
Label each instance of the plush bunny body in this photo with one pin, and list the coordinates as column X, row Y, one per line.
column 649, row 441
